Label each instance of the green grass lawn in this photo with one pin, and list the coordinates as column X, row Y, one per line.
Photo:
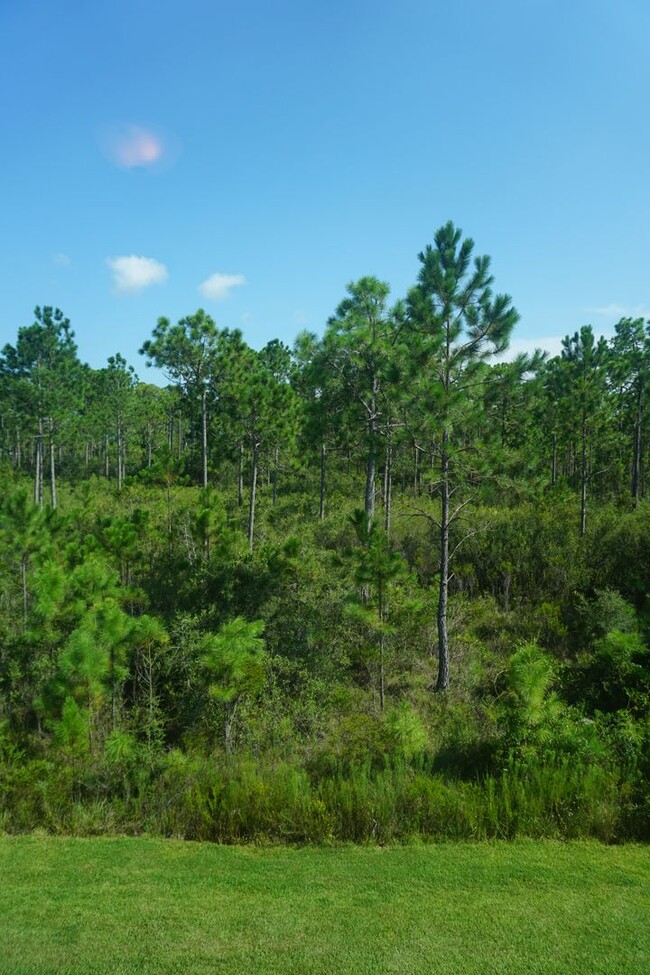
column 158, row 906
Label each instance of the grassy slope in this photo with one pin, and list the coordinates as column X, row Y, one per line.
column 131, row 906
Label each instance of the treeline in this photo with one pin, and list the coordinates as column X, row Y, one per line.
column 226, row 605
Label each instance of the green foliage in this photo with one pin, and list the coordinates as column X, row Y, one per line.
column 534, row 723
column 171, row 661
column 406, row 732
column 71, row 731
column 615, row 676
column 235, row 659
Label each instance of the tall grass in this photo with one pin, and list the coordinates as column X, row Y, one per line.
column 248, row 800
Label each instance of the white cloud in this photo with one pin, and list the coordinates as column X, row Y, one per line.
column 218, row 286
column 134, row 273
column 62, row 260
column 547, row 343
column 129, row 146
column 620, row 311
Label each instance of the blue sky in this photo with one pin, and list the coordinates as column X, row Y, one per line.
column 253, row 157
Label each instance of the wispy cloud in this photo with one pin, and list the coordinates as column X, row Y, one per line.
column 62, row 260
column 547, row 343
column 135, row 273
column 621, row 311
column 131, row 146
column 218, row 286
column 300, row 318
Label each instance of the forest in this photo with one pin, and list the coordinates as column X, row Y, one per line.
column 383, row 584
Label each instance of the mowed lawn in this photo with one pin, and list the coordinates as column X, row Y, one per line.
column 159, row 906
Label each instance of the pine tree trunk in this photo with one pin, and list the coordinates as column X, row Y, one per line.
column 204, row 436
column 443, row 591
column 388, row 488
column 40, row 464
column 37, row 467
column 636, row 459
column 23, row 578
column 113, row 691
column 251, row 509
column 240, row 476
column 583, row 477
column 370, row 483
column 275, row 475
column 119, row 455
column 52, row 467
column 371, row 467
column 416, row 471
column 150, row 700
column 227, row 728
column 554, row 462
column 380, row 614
column 321, row 509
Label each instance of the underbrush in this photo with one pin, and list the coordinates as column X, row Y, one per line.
column 246, row 800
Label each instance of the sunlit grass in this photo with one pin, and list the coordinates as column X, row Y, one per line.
column 155, row 906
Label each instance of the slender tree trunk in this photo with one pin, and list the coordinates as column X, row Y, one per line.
column 371, row 467
column 321, row 509
column 554, row 461
column 204, row 435
column 416, row 470
column 113, row 692
column 642, row 476
column 52, row 467
column 120, row 458
column 23, row 575
column 40, row 465
column 107, row 458
column 275, row 475
column 380, row 613
column 251, row 508
column 370, row 483
column 150, row 699
column 169, row 513
column 583, row 477
column 388, row 488
column 382, row 690
column 37, row 467
column 443, row 591
column 90, row 720
column 636, row 458
column 227, row 728
column 240, row 475
column 18, row 450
